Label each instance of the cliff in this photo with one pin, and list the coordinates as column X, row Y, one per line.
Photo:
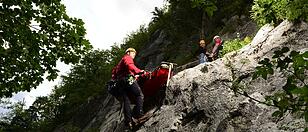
column 201, row 99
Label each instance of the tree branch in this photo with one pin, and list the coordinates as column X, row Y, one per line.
column 303, row 81
column 33, row 26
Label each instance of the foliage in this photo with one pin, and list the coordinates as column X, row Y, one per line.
column 86, row 79
column 160, row 20
column 180, row 23
column 34, row 35
column 233, row 45
column 71, row 128
column 38, row 117
column 274, row 11
column 137, row 39
column 19, row 119
column 239, row 7
column 116, row 53
column 5, row 118
column 158, row 14
column 5, row 103
column 90, row 75
column 207, row 6
column 294, row 97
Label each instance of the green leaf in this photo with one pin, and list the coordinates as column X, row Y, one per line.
column 305, row 54
column 289, row 86
column 277, row 113
column 285, row 49
column 279, row 53
column 297, row 91
column 254, row 76
column 305, row 91
column 294, row 53
column 282, row 103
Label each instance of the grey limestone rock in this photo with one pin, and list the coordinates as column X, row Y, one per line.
column 200, row 98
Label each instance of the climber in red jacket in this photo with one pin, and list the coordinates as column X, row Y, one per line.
column 126, row 72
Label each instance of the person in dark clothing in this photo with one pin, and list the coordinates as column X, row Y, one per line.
column 126, row 72
column 202, row 52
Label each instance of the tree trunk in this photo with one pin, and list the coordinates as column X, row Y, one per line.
column 202, row 36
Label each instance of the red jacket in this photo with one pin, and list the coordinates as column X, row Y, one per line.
column 125, row 67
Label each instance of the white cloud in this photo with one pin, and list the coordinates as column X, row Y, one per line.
column 107, row 22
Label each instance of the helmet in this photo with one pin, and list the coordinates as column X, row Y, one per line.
column 215, row 37
column 217, row 40
column 130, row 50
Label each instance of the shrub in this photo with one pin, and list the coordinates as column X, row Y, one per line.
column 233, row 45
column 274, row 11
column 137, row 39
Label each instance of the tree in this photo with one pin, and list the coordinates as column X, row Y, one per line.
column 208, row 7
column 18, row 119
column 90, row 75
column 269, row 11
column 293, row 97
column 34, row 34
column 86, row 79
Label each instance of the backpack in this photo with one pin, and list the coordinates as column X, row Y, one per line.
column 112, row 87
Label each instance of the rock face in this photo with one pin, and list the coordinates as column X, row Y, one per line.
column 200, row 98
column 153, row 54
column 238, row 27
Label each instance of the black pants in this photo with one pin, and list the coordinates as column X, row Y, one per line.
column 135, row 90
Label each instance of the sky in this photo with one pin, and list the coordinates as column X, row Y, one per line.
column 107, row 22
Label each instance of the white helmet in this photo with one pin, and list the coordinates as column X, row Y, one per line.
column 215, row 37
column 130, row 50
